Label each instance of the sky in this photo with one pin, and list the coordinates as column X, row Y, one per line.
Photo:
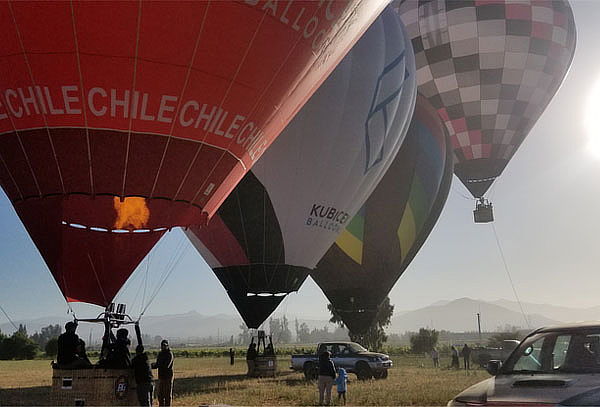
column 547, row 224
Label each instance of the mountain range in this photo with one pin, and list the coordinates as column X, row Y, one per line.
column 458, row 315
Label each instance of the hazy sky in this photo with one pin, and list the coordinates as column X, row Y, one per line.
column 547, row 220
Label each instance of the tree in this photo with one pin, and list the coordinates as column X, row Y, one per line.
column 22, row 330
column 51, row 347
column 245, row 336
column 45, row 334
column 424, row 341
column 18, row 346
column 279, row 330
column 302, row 333
column 375, row 336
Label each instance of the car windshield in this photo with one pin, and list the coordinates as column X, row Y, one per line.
column 355, row 348
column 557, row 352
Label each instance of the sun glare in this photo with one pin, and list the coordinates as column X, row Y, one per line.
column 592, row 120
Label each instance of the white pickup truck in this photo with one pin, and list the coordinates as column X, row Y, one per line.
column 349, row 355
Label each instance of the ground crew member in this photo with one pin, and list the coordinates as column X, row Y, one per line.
column 164, row 364
column 143, row 377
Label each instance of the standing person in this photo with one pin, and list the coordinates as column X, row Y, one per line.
column 455, row 364
column 435, row 356
column 143, row 376
column 164, row 363
column 118, row 352
column 251, row 355
column 231, row 356
column 342, row 384
column 466, row 354
column 326, row 378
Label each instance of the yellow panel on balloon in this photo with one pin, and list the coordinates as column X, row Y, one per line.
column 351, row 245
column 407, row 231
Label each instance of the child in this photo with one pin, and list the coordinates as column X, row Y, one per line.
column 342, row 384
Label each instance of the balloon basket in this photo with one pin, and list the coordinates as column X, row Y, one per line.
column 93, row 387
column 265, row 366
column 483, row 212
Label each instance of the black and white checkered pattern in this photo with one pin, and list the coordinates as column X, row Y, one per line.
column 490, row 68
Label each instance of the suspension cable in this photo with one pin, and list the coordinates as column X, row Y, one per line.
column 9, row 320
column 509, row 277
column 180, row 251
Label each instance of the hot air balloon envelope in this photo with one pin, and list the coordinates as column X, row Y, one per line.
column 169, row 102
column 369, row 256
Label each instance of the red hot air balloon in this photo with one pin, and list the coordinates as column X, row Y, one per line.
column 489, row 68
column 119, row 120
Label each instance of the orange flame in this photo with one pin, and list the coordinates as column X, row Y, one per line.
column 132, row 213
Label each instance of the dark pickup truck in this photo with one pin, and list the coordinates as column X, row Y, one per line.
column 349, row 355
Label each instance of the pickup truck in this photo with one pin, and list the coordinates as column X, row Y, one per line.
column 349, row 355
column 483, row 355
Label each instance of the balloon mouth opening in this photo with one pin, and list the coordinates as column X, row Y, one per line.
column 266, row 294
column 107, row 230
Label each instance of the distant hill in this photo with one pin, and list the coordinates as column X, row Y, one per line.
column 461, row 315
column 453, row 315
column 185, row 326
column 563, row 314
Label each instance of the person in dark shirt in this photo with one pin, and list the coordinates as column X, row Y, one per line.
column 143, row 376
column 466, row 354
column 164, row 363
column 67, row 345
column 326, row 377
column 251, row 355
column 82, row 357
column 118, row 353
column 231, row 356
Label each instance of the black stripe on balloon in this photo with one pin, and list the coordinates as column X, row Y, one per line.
column 249, row 215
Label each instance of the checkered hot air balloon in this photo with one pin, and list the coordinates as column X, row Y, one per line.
column 490, row 68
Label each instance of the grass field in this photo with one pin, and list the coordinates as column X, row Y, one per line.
column 198, row 381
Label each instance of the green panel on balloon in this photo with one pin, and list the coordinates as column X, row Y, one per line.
column 351, row 239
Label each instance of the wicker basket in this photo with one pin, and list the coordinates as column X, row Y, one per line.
column 265, row 366
column 93, row 387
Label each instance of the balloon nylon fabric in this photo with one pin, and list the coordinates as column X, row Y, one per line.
column 299, row 196
column 489, row 68
column 360, row 269
column 169, row 103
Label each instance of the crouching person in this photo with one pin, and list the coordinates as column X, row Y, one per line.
column 143, row 376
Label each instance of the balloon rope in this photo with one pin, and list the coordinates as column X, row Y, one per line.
column 137, row 293
column 145, row 285
column 9, row 320
column 509, row 277
column 173, row 262
column 97, row 279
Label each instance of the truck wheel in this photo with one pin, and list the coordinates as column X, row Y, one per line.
column 363, row 371
column 483, row 359
column 310, row 371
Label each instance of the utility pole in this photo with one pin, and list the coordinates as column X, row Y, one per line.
column 479, row 326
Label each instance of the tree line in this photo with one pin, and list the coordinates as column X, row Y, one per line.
column 20, row 345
